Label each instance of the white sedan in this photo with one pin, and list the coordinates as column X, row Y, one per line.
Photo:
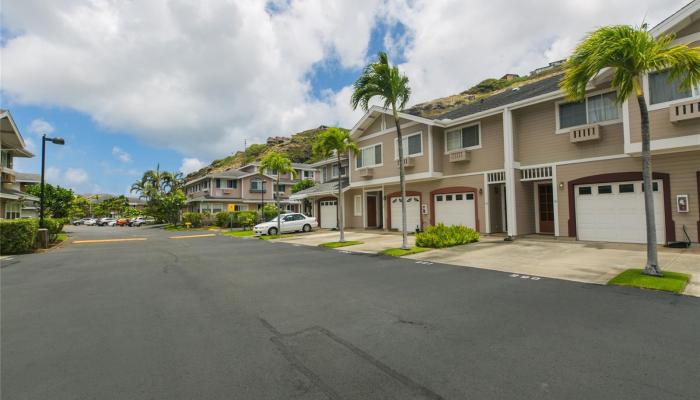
column 90, row 222
column 293, row 222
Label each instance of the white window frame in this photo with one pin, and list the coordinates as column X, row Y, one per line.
column 459, row 128
column 381, row 145
column 665, row 104
column 601, row 123
column 405, row 137
column 357, row 210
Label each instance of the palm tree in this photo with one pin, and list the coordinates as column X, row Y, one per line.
column 379, row 79
column 630, row 53
column 336, row 141
column 279, row 164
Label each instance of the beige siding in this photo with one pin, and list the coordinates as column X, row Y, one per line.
column 389, row 167
column 660, row 125
column 535, row 128
column 681, row 167
column 488, row 157
column 438, row 148
column 225, row 191
column 351, row 221
column 389, row 123
column 245, row 188
column 694, row 27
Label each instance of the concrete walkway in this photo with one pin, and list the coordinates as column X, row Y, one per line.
column 588, row 262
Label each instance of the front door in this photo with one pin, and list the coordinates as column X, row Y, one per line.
column 371, row 211
column 546, row 207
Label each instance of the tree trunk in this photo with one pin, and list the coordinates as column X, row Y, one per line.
column 277, row 201
column 402, row 182
column 652, row 265
column 341, row 225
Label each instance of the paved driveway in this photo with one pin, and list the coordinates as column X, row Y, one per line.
column 575, row 261
column 214, row 317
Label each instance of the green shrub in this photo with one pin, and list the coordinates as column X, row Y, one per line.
column 445, row 236
column 17, row 235
column 193, row 218
column 55, row 226
column 246, row 219
column 269, row 211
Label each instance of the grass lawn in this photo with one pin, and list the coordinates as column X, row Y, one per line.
column 61, row 237
column 671, row 281
column 269, row 237
column 399, row 252
column 238, row 233
column 333, row 245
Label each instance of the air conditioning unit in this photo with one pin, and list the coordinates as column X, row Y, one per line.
column 584, row 133
column 408, row 162
column 365, row 173
column 684, row 110
column 460, row 156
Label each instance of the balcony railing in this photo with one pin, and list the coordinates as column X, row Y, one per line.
column 584, row 133
column 685, row 110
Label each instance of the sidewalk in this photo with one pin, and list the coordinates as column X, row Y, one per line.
column 587, row 262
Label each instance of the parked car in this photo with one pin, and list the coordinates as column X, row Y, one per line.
column 80, row 221
column 113, row 222
column 122, row 222
column 90, row 222
column 138, row 221
column 105, row 221
column 292, row 222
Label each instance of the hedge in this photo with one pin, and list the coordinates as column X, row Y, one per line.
column 193, row 218
column 55, row 226
column 17, row 235
column 445, row 236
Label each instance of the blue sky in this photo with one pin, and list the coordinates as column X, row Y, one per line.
column 131, row 85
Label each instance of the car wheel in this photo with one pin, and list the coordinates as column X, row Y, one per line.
column 272, row 231
column 306, row 228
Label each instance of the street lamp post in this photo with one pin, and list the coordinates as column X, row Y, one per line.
column 44, row 139
column 262, row 200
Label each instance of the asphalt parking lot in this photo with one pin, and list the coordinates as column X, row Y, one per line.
column 216, row 317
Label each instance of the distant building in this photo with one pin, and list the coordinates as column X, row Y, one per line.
column 509, row 77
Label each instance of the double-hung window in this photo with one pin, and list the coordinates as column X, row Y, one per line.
column 663, row 89
column 308, row 174
column 256, row 186
column 468, row 137
column 369, row 156
column 593, row 110
column 412, row 145
column 218, row 183
column 232, row 183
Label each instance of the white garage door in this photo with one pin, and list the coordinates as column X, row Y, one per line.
column 329, row 214
column 614, row 212
column 412, row 213
column 455, row 209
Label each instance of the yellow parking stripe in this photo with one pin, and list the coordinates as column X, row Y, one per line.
column 192, row 236
column 108, row 240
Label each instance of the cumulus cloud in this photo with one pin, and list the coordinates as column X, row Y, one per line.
column 198, row 77
column 190, row 165
column 75, row 176
column 121, row 155
column 40, row 127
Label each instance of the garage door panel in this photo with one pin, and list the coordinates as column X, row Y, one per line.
column 455, row 209
column 412, row 213
column 329, row 214
column 605, row 212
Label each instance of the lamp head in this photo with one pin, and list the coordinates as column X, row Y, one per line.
column 58, row 140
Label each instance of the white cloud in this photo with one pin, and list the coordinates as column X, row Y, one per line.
column 190, row 165
column 211, row 73
column 40, row 127
column 52, row 175
column 121, row 155
column 75, row 176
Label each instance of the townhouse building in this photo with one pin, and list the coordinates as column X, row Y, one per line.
column 321, row 200
column 528, row 161
column 14, row 201
column 245, row 188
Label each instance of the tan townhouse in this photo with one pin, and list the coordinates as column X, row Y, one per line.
column 14, row 201
column 245, row 188
column 527, row 161
column 321, row 200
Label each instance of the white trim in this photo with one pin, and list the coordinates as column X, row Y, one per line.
column 626, row 125
column 535, row 195
column 393, row 179
column 509, row 161
column 396, row 146
column 487, row 206
column 472, row 174
column 687, row 39
column 373, row 165
column 459, row 128
column 675, row 18
column 555, row 200
column 566, row 130
column 682, row 143
column 385, row 131
column 377, row 109
column 576, row 161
